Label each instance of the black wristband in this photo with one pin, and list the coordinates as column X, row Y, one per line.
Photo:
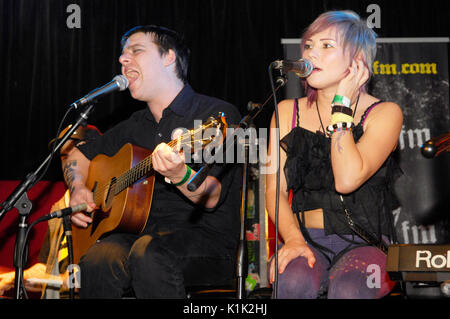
column 341, row 109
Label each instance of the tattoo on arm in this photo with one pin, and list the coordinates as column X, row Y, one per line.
column 69, row 174
column 337, row 142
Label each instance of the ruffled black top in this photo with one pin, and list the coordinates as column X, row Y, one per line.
column 309, row 175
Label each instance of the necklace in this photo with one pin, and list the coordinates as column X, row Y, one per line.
column 323, row 132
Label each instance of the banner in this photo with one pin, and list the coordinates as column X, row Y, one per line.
column 412, row 72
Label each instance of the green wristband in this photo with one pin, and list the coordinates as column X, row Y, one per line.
column 186, row 176
column 341, row 100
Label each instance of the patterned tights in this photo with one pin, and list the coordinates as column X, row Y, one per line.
column 359, row 273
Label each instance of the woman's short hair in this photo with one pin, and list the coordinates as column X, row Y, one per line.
column 352, row 33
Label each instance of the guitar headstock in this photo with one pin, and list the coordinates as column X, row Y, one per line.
column 213, row 130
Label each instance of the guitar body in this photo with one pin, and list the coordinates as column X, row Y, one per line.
column 122, row 186
column 126, row 211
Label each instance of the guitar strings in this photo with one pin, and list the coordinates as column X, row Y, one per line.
column 142, row 168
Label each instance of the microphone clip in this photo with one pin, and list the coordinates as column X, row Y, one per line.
column 281, row 80
column 277, row 65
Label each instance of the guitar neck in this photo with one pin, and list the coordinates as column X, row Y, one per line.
column 143, row 168
column 131, row 176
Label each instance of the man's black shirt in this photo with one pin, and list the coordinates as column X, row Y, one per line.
column 170, row 208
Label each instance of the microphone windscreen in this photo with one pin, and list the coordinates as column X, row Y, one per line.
column 309, row 67
column 121, row 81
column 428, row 150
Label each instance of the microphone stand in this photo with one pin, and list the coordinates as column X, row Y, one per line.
column 197, row 180
column 67, row 226
column 242, row 255
column 19, row 199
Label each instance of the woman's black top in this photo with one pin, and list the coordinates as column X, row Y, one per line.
column 309, row 175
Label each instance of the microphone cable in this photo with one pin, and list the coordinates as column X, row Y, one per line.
column 67, row 224
column 22, row 254
column 52, row 154
column 277, row 193
column 23, row 251
column 35, row 180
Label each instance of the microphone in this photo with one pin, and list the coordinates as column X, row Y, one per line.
column 119, row 82
column 303, row 67
column 198, row 178
column 64, row 212
column 436, row 145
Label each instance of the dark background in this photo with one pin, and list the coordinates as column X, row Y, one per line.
column 45, row 66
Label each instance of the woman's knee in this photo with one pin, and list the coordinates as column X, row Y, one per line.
column 299, row 281
column 360, row 274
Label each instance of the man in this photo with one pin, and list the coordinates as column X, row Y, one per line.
column 190, row 237
column 53, row 256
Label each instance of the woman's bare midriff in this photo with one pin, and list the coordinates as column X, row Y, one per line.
column 313, row 218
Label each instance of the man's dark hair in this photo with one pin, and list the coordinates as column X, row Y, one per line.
column 165, row 39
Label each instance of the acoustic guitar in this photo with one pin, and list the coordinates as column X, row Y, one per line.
column 122, row 185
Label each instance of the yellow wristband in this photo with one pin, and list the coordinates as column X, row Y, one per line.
column 340, row 117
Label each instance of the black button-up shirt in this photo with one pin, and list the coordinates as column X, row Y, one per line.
column 170, row 208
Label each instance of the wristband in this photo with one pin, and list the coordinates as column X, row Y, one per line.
column 338, row 127
column 341, row 109
column 185, row 178
column 340, row 117
column 341, row 100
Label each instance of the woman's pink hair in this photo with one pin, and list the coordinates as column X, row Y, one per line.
column 351, row 32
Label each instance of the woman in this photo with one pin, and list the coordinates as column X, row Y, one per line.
column 336, row 157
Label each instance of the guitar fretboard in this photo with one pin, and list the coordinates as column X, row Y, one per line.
column 134, row 174
column 143, row 168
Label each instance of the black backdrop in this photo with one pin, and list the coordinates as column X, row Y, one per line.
column 45, row 65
